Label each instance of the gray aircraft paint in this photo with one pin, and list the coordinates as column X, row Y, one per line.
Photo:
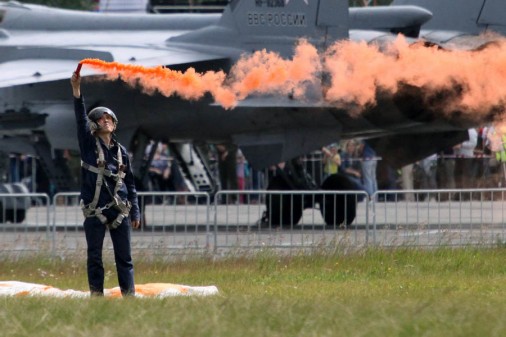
column 37, row 60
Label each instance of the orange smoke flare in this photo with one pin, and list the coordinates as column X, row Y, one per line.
column 357, row 73
column 261, row 73
column 267, row 73
column 359, row 70
column 189, row 84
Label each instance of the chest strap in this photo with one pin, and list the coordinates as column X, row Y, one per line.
column 91, row 209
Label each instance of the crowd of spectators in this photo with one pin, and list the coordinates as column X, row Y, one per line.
column 476, row 163
column 228, row 167
column 479, row 162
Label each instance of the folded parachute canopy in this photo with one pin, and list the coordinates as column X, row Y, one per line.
column 155, row 290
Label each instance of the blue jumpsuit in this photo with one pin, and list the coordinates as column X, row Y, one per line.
column 93, row 228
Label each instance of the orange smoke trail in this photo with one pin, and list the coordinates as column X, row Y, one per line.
column 262, row 72
column 358, row 72
column 267, row 73
column 189, row 84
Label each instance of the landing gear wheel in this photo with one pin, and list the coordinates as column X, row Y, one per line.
column 283, row 210
column 338, row 209
column 11, row 215
column 13, row 209
column 18, row 214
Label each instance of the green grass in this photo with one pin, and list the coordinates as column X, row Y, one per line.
column 402, row 292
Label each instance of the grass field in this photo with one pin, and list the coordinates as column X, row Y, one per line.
column 402, row 292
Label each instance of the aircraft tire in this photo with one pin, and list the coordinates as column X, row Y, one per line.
column 338, row 209
column 18, row 215
column 9, row 215
column 14, row 209
column 283, row 210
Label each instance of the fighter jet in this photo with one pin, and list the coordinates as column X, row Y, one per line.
column 40, row 48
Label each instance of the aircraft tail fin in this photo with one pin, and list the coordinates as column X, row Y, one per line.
column 275, row 25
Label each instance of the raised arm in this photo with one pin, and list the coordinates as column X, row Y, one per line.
column 75, row 81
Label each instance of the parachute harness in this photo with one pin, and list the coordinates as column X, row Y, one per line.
column 91, row 210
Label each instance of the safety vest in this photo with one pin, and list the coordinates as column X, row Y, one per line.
column 330, row 166
column 91, row 210
column 501, row 155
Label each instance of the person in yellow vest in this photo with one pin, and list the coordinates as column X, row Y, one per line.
column 500, row 154
column 331, row 160
column 498, row 146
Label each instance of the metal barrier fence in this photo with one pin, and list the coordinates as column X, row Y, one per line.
column 171, row 221
column 439, row 217
column 241, row 224
column 24, row 223
column 178, row 223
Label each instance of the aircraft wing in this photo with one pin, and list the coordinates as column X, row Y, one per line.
column 42, row 44
column 449, row 24
column 44, row 64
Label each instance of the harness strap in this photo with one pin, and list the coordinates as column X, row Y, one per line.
column 101, row 157
column 106, row 173
column 91, row 209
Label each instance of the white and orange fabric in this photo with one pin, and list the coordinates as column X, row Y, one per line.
column 154, row 290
